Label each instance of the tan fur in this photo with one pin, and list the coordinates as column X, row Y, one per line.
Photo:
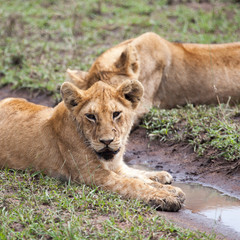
column 83, row 139
column 172, row 73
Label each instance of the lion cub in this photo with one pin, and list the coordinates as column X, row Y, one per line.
column 83, row 139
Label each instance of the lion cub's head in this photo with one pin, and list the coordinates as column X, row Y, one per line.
column 103, row 114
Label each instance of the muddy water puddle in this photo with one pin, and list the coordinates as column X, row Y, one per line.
column 212, row 204
column 209, row 202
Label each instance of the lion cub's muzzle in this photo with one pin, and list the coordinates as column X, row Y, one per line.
column 107, row 153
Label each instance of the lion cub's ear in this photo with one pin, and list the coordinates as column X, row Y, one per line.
column 128, row 63
column 71, row 95
column 131, row 90
column 77, row 77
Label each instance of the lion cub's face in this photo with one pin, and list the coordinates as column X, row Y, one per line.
column 103, row 114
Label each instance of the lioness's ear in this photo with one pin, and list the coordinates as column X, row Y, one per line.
column 71, row 95
column 131, row 90
column 77, row 77
column 128, row 63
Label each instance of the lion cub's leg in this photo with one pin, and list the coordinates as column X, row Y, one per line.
column 154, row 179
column 161, row 177
column 174, row 190
column 161, row 198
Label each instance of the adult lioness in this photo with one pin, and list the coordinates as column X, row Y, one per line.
column 83, row 139
column 172, row 73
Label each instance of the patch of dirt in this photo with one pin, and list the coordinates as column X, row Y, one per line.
column 205, row 5
column 36, row 96
column 181, row 161
column 17, row 227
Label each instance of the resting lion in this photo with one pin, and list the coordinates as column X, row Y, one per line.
column 172, row 73
column 83, row 139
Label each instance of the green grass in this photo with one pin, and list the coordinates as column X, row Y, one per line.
column 33, row 206
column 39, row 40
column 204, row 127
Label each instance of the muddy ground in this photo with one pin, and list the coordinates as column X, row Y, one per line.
column 178, row 159
column 185, row 166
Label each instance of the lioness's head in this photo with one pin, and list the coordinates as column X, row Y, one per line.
column 103, row 114
column 113, row 68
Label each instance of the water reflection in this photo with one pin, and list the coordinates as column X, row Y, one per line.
column 212, row 204
column 209, row 202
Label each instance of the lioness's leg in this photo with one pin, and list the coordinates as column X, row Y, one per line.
column 160, row 198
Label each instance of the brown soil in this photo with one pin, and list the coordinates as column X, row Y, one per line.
column 36, row 96
column 181, row 161
column 178, row 159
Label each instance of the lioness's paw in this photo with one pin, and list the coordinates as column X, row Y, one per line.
column 167, row 203
column 162, row 177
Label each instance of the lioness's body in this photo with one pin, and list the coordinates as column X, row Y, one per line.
column 82, row 139
column 172, row 73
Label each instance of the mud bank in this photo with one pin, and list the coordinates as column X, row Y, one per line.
column 181, row 161
column 185, row 166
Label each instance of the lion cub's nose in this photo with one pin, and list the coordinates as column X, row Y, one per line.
column 106, row 141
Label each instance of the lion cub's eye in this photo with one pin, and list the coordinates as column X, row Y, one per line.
column 116, row 115
column 91, row 117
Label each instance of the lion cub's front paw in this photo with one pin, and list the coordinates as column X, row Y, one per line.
column 165, row 203
column 175, row 191
column 161, row 177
